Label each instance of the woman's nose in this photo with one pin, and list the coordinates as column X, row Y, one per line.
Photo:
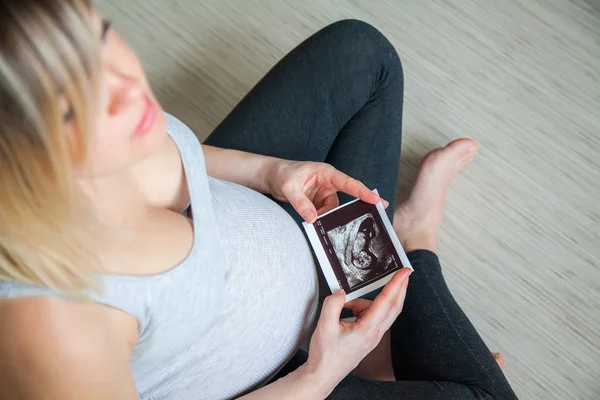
column 123, row 91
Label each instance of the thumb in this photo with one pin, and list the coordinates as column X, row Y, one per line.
column 332, row 308
column 302, row 205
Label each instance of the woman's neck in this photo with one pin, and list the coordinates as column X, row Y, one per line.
column 115, row 198
column 125, row 196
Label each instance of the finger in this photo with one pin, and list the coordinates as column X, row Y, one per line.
column 397, row 306
column 382, row 305
column 332, row 308
column 358, row 306
column 302, row 204
column 331, row 202
column 353, row 187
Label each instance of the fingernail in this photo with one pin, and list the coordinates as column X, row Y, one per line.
column 340, row 292
column 308, row 216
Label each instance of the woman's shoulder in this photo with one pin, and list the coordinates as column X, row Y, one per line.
column 44, row 320
column 50, row 314
column 56, row 339
column 181, row 133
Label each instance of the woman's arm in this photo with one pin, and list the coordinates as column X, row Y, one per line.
column 300, row 384
column 247, row 169
column 310, row 187
column 337, row 347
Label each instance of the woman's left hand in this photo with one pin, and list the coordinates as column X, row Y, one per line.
column 311, row 187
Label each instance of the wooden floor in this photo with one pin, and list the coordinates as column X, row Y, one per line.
column 521, row 237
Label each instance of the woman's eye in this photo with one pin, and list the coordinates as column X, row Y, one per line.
column 105, row 29
column 69, row 115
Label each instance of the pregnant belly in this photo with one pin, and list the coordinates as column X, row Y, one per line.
column 272, row 292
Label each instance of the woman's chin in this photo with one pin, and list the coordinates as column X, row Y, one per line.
column 156, row 138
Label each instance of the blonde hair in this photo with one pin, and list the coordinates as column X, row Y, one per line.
column 49, row 54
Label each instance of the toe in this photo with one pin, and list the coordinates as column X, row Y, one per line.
column 499, row 359
column 462, row 145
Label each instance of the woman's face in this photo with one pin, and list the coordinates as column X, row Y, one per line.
column 129, row 123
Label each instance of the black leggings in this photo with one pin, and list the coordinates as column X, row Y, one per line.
column 337, row 98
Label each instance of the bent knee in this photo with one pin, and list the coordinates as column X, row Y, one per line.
column 362, row 40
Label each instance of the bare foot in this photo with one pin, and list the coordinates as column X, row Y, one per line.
column 417, row 220
column 499, row 359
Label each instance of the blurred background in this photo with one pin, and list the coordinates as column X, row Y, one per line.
column 520, row 242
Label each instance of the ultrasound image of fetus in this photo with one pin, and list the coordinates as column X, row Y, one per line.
column 360, row 249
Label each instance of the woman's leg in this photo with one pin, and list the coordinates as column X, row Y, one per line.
column 436, row 351
column 335, row 98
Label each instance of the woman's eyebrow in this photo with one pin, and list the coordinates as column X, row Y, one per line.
column 105, row 28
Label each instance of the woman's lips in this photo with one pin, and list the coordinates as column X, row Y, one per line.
column 147, row 121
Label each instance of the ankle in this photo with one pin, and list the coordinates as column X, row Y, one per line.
column 418, row 242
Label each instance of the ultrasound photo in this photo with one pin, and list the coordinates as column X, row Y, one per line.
column 357, row 248
column 360, row 249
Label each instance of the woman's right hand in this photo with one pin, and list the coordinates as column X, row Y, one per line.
column 337, row 347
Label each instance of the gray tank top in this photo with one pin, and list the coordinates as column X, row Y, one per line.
column 230, row 315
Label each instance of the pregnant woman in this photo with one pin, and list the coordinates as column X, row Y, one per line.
column 137, row 263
